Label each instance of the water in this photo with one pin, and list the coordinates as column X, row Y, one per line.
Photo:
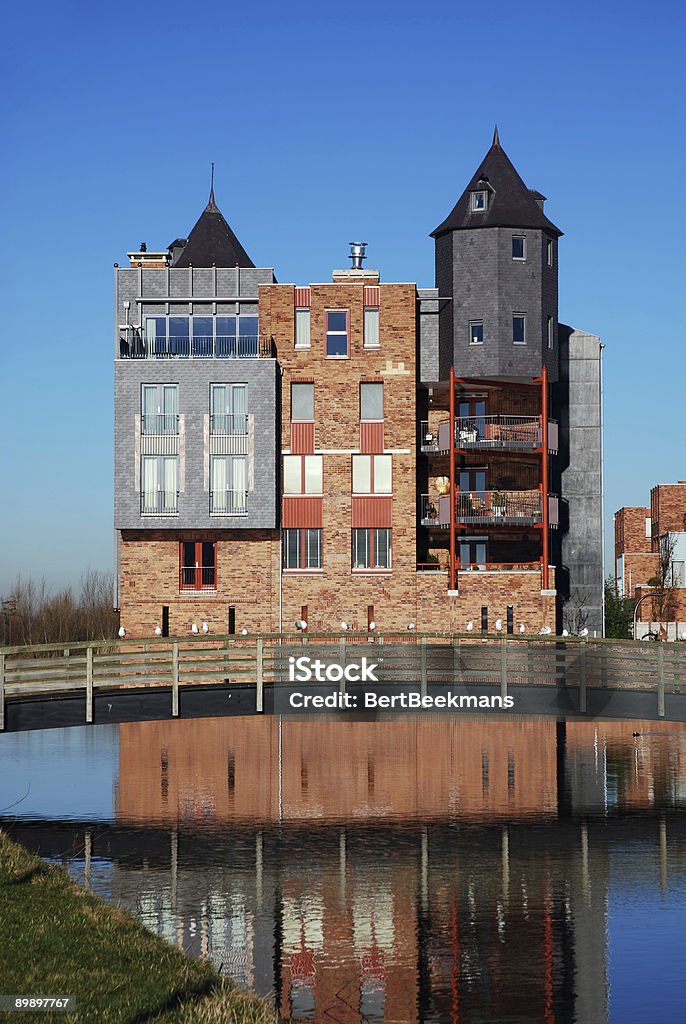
column 446, row 871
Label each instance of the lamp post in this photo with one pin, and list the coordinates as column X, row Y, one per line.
column 653, row 593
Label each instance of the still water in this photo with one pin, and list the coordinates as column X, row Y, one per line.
column 434, row 870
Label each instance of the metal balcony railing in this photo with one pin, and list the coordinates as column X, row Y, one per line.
column 159, row 424
column 506, row 508
column 229, row 503
column 226, row 346
column 480, row 433
column 197, row 577
column 159, row 503
column 229, row 424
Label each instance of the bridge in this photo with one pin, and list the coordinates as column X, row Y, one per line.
column 109, row 681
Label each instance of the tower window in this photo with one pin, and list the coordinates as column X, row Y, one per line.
column 519, row 329
column 476, row 332
column 551, row 332
column 549, row 251
column 479, row 201
column 518, row 247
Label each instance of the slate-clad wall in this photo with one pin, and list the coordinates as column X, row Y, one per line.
column 193, row 377
column 488, row 285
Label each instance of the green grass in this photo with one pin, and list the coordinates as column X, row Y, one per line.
column 58, row 939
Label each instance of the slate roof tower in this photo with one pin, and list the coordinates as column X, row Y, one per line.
column 525, row 461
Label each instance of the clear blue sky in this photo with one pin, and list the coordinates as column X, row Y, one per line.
column 325, row 125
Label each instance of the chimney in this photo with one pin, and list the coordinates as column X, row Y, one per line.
column 356, row 271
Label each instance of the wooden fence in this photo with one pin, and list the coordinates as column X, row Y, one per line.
column 406, row 658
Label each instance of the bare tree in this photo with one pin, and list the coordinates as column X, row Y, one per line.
column 664, row 600
column 575, row 614
column 31, row 615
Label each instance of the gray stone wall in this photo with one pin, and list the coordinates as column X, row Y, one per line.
column 577, row 406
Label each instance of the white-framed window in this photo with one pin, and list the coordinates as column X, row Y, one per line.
column 479, row 201
column 371, row 401
column 550, row 251
column 228, row 485
column 649, row 527
column 302, row 401
column 372, row 474
column 302, row 327
column 518, row 247
column 228, row 409
column 302, row 474
column 159, row 485
column 337, row 333
column 159, row 409
column 371, row 327
column 519, row 328
column 302, row 548
column 551, row 332
column 371, row 548
column 476, row 332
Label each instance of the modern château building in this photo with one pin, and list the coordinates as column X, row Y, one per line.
column 354, row 450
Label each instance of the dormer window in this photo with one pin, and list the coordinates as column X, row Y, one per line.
column 479, row 201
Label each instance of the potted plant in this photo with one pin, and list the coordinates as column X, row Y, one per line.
column 498, row 502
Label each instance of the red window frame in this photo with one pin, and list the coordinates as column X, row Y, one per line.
column 372, row 530
column 198, row 568
column 302, row 550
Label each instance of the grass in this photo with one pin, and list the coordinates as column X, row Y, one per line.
column 58, row 939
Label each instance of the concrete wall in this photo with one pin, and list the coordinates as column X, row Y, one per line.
column 577, row 406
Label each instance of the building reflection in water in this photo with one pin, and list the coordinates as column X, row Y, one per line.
column 416, row 870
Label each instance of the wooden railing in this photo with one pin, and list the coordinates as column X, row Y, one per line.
column 403, row 658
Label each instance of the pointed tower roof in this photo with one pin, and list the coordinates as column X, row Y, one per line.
column 212, row 241
column 510, row 203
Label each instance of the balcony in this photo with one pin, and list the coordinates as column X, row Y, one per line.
column 159, row 424
column 228, row 425
column 159, row 503
column 229, row 503
column 488, row 433
column 227, row 346
column 483, row 508
column 462, row 567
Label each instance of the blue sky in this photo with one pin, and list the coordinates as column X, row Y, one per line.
column 325, row 125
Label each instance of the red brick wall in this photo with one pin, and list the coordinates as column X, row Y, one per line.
column 668, row 509
column 630, row 530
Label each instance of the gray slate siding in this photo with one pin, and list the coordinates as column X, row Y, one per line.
column 489, row 285
column 193, row 377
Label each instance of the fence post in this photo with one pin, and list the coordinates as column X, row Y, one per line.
column 2, row 692
column 89, row 684
column 457, row 662
column 341, row 661
column 260, row 675
column 503, row 667
column 175, row 679
column 660, row 679
column 582, row 681
column 422, row 657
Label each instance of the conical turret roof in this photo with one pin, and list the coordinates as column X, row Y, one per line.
column 510, row 203
column 212, row 242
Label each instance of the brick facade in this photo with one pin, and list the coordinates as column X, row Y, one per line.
column 668, row 510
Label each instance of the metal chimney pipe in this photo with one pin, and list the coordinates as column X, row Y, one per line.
column 357, row 254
